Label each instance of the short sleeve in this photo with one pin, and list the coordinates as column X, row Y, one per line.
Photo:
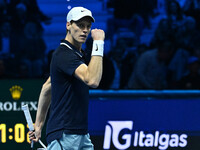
column 68, row 61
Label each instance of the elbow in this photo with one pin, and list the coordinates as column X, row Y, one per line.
column 46, row 88
column 93, row 84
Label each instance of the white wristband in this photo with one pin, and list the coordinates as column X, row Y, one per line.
column 97, row 48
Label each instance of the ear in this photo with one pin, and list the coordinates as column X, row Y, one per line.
column 68, row 25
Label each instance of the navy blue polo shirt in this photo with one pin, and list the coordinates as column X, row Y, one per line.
column 70, row 96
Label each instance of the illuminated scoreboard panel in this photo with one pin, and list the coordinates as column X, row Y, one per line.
column 17, row 133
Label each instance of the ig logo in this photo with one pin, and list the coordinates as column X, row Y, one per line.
column 113, row 129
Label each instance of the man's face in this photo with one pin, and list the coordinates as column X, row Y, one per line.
column 80, row 29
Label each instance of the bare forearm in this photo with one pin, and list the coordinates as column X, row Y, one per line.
column 94, row 71
column 91, row 74
column 95, row 67
column 43, row 105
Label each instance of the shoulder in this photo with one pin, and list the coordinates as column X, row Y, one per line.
column 149, row 53
column 63, row 51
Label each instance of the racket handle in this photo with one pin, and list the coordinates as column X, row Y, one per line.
column 32, row 143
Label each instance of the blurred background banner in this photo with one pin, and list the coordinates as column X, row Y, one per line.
column 145, row 120
column 118, row 119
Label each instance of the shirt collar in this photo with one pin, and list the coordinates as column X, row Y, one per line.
column 72, row 47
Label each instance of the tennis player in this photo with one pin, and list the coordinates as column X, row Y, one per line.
column 66, row 91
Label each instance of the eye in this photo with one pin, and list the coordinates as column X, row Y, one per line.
column 88, row 27
column 81, row 25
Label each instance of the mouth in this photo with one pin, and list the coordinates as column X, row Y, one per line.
column 83, row 36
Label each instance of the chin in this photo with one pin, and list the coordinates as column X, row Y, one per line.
column 82, row 41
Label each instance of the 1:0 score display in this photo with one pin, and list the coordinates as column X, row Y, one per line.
column 17, row 133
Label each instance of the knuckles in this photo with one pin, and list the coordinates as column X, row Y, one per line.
column 97, row 31
column 98, row 34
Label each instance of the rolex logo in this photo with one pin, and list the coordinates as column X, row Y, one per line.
column 16, row 92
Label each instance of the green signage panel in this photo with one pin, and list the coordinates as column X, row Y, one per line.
column 13, row 127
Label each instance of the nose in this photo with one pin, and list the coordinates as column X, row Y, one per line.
column 85, row 29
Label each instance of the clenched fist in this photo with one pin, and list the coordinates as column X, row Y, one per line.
column 98, row 34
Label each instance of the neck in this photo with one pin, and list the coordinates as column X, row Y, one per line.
column 75, row 43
